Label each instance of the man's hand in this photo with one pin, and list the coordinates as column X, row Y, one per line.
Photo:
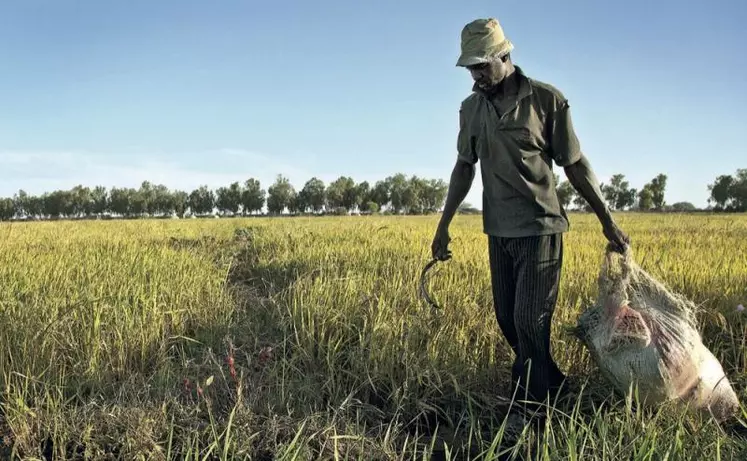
column 440, row 245
column 619, row 241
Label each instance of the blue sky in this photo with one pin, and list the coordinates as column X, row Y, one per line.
column 187, row 93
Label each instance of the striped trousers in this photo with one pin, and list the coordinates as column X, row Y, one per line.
column 525, row 277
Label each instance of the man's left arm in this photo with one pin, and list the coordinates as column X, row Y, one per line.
column 583, row 179
column 566, row 153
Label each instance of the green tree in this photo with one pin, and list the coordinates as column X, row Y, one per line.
column 364, row 196
column 143, row 201
column 434, row 195
column 350, row 195
column 412, row 195
column 658, row 187
column 201, row 200
column 380, row 194
column 51, row 204
column 59, row 203
column 646, row 198
column 313, row 195
column 162, row 201
column 296, row 203
column 82, row 201
column 100, row 199
column 397, row 186
column 139, row 199
column 626, row 199
column 119, row 201
column 179, row 202
column 228, row 199
column 721, row 192
column 683, row 207
column 467, row 208
column 369, row 207
column 618, row 193
column 7, row 209
column 20, row 203
column 729, row 193
column 34, row 206
column 739, row 190
column 341, row 193
column 280, row 194
column 252, row 197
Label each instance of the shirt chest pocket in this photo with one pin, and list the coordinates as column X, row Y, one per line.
column 503, row 143
column 520, row 140
column 517, row 134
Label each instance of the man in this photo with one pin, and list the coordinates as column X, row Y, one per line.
column 516, row 127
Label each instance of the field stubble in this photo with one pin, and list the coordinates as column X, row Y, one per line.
column 304, row 338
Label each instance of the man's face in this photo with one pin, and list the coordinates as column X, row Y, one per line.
column 490, row 74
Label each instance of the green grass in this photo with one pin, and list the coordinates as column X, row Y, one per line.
column 305, row 338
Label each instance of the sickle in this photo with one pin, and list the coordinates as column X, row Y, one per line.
column 423, row 291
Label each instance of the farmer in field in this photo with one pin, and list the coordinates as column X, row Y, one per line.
column 517, row 127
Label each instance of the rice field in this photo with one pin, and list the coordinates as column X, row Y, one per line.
column 305, row 338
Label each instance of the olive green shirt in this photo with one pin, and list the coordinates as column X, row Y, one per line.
column 516, row 141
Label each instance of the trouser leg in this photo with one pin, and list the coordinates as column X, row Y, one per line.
column 537, row 268
column 504, row 294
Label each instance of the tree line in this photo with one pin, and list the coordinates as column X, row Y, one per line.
column 728, row 193
column 620, row 196
column 397, row 194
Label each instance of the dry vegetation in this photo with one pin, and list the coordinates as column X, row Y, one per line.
column 304, row 338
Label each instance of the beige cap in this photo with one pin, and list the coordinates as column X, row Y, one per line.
column 483, row 39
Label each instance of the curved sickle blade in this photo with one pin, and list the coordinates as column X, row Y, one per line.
column 423, row 291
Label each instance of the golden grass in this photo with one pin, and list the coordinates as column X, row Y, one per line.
column 119, row 339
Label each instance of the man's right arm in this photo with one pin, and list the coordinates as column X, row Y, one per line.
column 460, row 183
column 463, row 172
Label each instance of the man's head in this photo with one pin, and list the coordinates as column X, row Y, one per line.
column 493, row 72
column 485, row 52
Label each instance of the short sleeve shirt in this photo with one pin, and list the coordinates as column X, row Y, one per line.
column 517, row 141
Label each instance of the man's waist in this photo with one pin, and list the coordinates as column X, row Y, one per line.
column 523, row 221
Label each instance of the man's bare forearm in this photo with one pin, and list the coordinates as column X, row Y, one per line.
column 461, row 181
column 583, row 179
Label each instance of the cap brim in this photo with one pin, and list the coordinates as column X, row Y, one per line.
column 465, row 61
